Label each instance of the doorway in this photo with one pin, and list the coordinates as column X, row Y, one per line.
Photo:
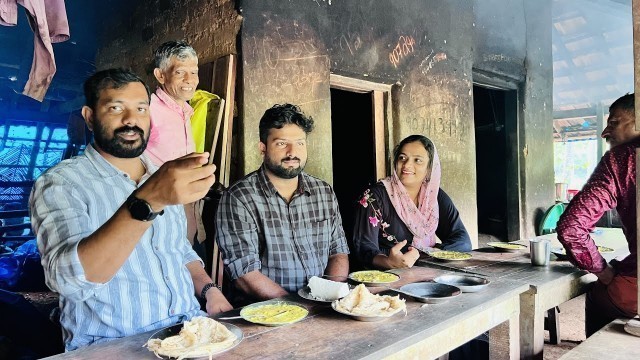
column 495, row 117
column 353, row 151
column 359, row 156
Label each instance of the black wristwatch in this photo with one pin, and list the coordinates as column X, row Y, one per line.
column 140, row 209
column 206, row 288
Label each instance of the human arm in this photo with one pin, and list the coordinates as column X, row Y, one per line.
column 215, row 300
column 396, row 258
column 575, row 224
column 606, row 275
column 372, row 221
column 260, row 286
column 338, row 266
column 237, row 235
column 177, row 182
column 451, row 231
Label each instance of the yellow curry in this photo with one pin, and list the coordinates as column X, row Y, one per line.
column 450, row 255
column 273, row 314
column 374, row 276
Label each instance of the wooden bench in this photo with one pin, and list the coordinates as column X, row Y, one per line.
column 611, row 342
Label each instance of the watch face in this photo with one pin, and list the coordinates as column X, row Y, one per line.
column 140, row 210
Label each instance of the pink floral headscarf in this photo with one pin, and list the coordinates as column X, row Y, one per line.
column 422, row 220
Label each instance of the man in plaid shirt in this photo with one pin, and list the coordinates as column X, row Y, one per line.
column 278, row 226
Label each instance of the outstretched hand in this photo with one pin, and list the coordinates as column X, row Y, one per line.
column 398, row 259
column 180, row 181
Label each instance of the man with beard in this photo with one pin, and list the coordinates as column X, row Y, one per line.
column 111, row 229
column 611, row 185
column 279, row 226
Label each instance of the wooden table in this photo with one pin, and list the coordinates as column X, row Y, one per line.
column 427, row 331
column 550, row 285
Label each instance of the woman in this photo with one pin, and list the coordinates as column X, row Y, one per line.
column 403, row 213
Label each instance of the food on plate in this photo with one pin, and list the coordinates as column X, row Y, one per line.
column 450, row 255
column 507, row 246
column 604, row 249
column 327, row 290
column 363, row 303
column 202, row 336
column 274, row 313
column 601, row 249
column 373, row 276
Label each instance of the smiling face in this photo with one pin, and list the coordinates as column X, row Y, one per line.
column 621, row 127
column 179, row 79
column 412, row 165
column 120, row 120
column 285, row 153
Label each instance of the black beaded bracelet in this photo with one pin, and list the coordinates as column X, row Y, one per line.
column 206, row 288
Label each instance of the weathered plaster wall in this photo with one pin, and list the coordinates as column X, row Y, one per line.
column 430, row 49
column 515, row 43
column 512, row 40
column 209, row 26
column 427, row 48
column 284, row 59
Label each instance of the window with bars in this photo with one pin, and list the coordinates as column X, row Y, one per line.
column 27, row 149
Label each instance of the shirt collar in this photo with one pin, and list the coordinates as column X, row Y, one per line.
column 105, row 167
column 268, row 188
column 187, row 110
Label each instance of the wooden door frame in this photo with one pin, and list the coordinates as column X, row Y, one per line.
column 381, row 114
column 512, row 129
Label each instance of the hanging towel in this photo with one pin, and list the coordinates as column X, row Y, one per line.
column 199, row 102
column 48, row 20
column 8, row 12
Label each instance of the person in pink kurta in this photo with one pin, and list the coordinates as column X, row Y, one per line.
column 176, row 70
column 612, row 185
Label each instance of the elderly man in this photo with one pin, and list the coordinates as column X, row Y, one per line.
column 612, row 185
column 176, row 70
column 112, row 240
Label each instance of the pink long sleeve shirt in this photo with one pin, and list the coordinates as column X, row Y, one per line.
column 171, row 135
column 612, row 185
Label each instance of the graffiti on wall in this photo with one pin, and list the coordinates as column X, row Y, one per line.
column 404, row 47
column 430, row 61
column 292, row 69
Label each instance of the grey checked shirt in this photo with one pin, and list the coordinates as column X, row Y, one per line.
column 289, row 243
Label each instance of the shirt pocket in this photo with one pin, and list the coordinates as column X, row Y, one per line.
column 319, row 235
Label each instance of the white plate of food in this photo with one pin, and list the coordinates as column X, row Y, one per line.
column 274, row 312
column 561, row 252
column 447, row 255
column 362, row 305
column 201, row 337
column 323, row 290
column 374, row 277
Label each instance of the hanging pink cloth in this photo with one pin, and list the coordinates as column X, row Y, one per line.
column 48, row 20
column 422, row 220
column 8, row 12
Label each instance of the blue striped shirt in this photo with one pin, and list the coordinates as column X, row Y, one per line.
column 152, row 289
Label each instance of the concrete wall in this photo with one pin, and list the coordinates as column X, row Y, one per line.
column 514, row 46
column 431, row 50
column 209, row 26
